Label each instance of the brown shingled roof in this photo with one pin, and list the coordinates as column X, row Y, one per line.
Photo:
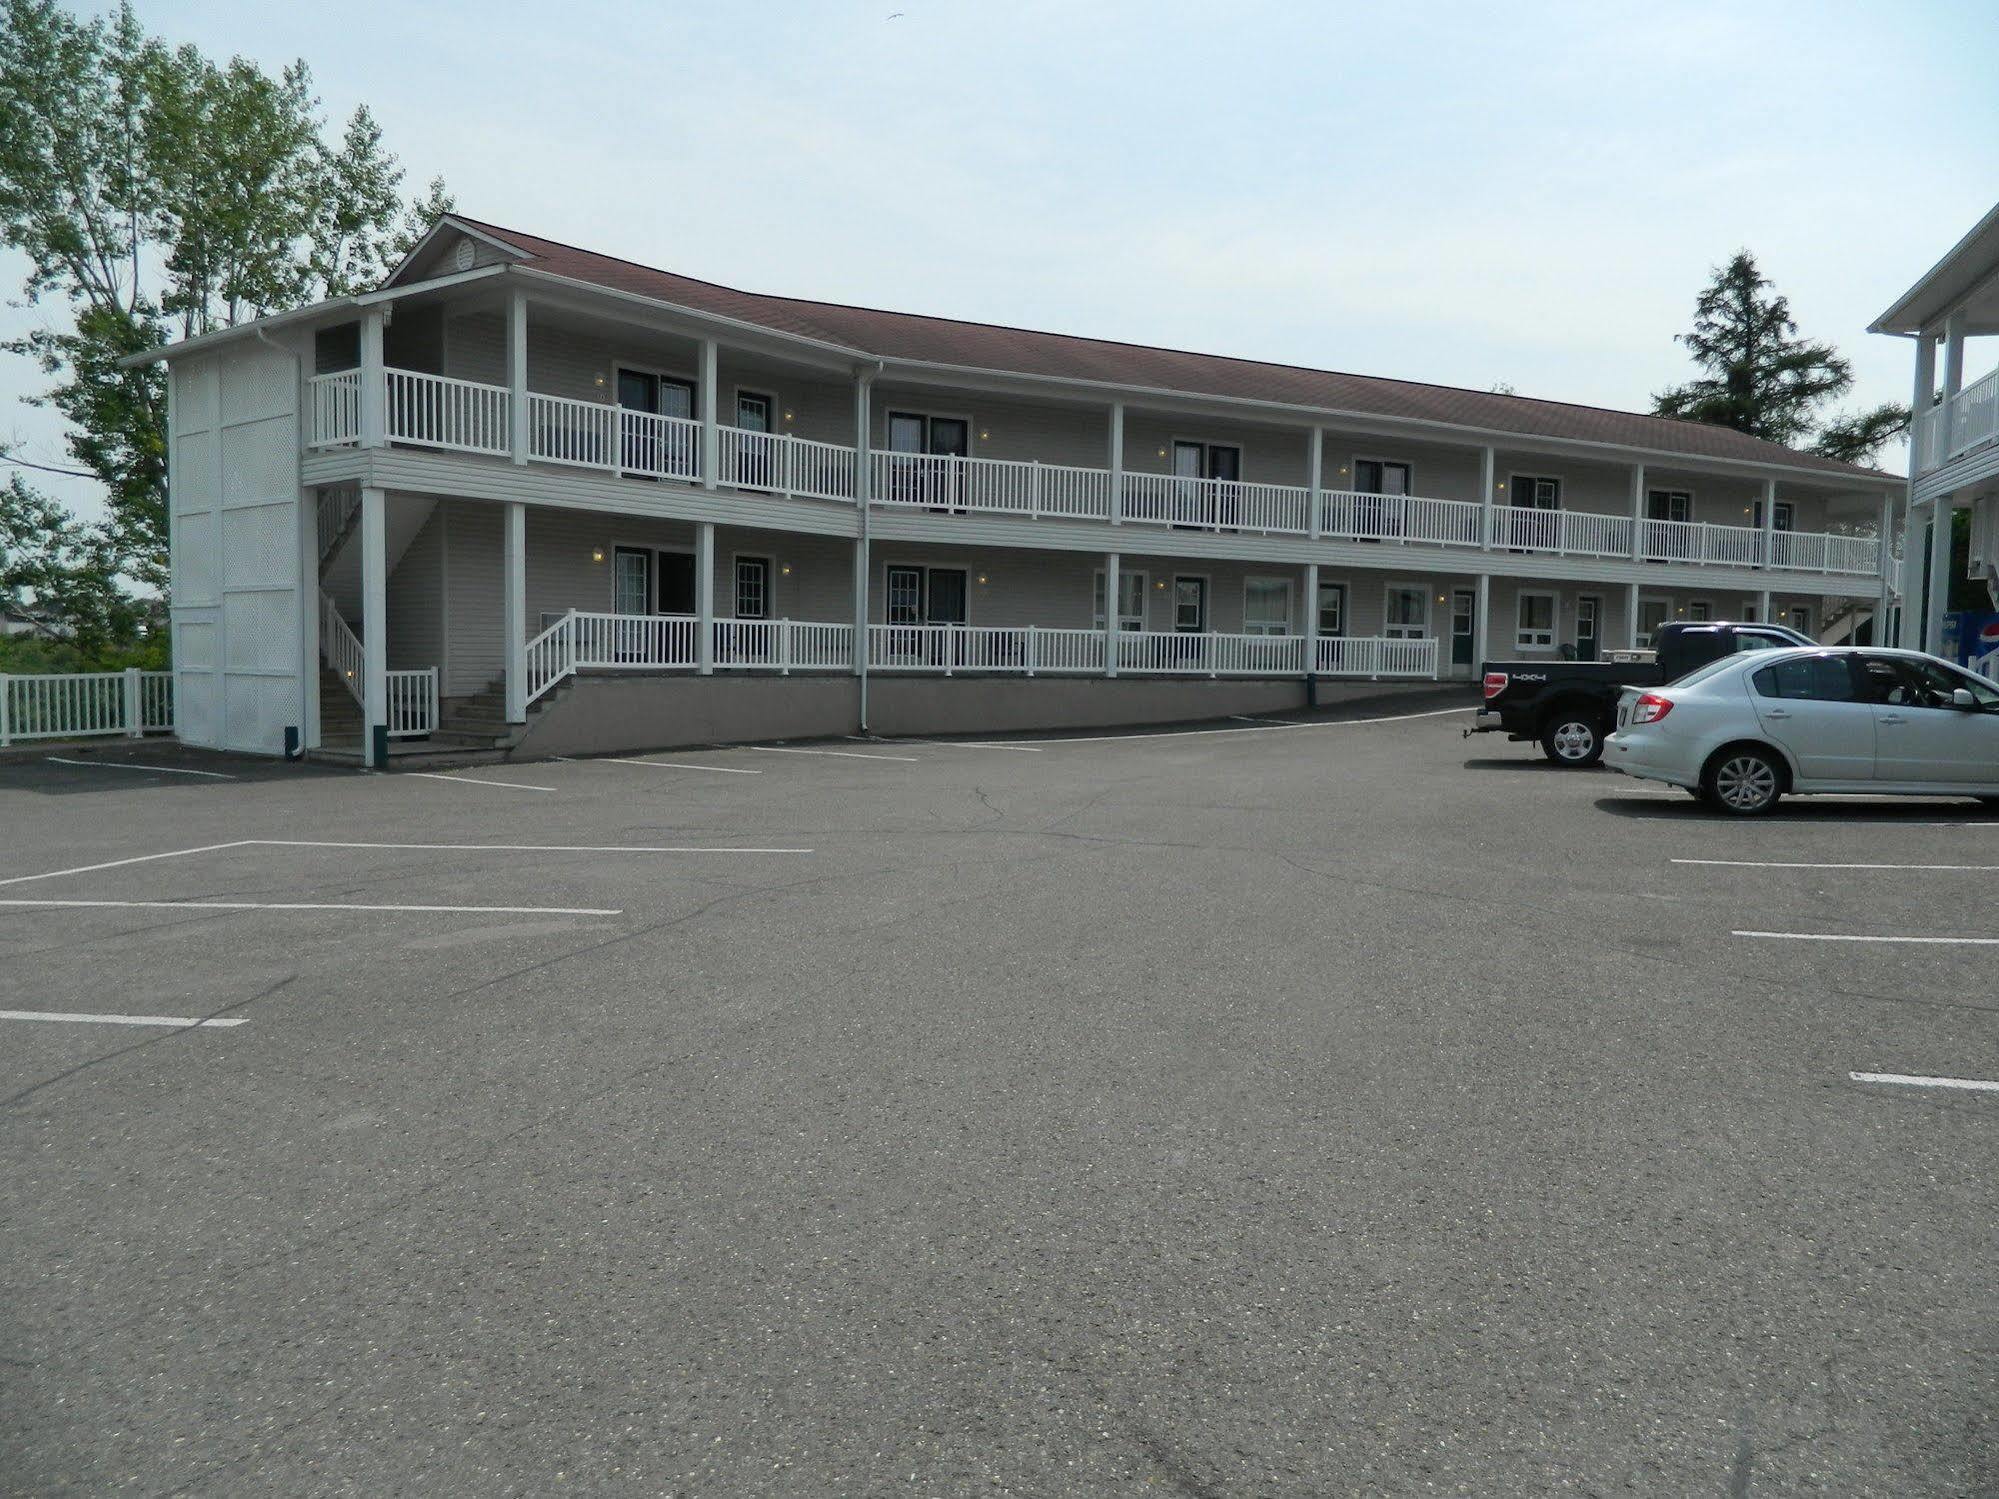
column 987, row 346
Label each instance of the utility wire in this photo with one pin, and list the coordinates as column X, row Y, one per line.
column 71, row 473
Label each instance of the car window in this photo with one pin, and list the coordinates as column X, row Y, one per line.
column 1882, row 680
column 1819, row 679
column 1703, row 672
column 1935, row 682
column 1756, row 640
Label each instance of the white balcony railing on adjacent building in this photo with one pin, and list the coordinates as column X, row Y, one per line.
column 1952, row 428
column 464, row 416
column 412, row 692
column 77, row 705
column 670, row 642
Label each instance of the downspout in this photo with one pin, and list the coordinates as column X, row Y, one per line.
column 308, row 587
column 861, row 475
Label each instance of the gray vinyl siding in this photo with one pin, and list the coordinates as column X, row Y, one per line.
column 416, row 600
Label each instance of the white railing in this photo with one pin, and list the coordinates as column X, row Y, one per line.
column 1583, row 533
column 434, row 411
column 1669, row 540
column 1970, row 419
column 943, row 482
column 336, row 512
column 335, row 402
column 668, row 642
column 658, row 447
column 1375, row 656
column 781, row 464
column 412, row 691
column 75, row 705
column 1736, row 546
column 1216, row 504
column 1398, row 517
column 1211, row 654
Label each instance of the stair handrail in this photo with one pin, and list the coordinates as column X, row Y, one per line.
column 340, row 648
column 551, row 656
column 346, row 505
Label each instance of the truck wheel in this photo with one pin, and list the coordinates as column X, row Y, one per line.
column 1744, row 782
column 1572, row 740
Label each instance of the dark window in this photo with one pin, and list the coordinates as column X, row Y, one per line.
column 753, row 412
column 752, row 588
column 676, row 582
column 1531, row 493
column 1819, row 679
column 926, row 595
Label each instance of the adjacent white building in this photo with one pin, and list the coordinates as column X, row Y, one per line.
column 1954, row 442
column 530, row 496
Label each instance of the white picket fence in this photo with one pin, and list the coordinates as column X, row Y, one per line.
column 75, row 705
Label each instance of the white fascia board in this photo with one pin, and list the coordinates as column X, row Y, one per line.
column 449, row 221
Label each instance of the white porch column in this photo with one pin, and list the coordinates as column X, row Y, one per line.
column 1487, row 484
column 1481, row 650
column 1111, row 561
column 1631, row 615
column 1638, row 512
column 374, row 393
column 1763, row 608
column 1937, row 601
column 704, row 597
column 517, row 374
column 374, row 623
column 860, row 606
column 711, row 436
column 1769, row 524
column 1311, row 620
column 514, row 610
column 863, row 579
column 1317, row 467
column 1915, row 550
column 1117, row 470
column 1922, row 405
column 1953, row 376
column 1885, row 600
column 308, row 621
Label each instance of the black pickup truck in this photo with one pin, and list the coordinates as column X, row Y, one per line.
column 1570, row 706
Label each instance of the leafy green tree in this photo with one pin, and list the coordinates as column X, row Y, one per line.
column 63, row 575
column 157, row 194
column 1759, row 377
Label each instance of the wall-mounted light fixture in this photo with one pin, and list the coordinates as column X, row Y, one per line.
column 786, row 569
column 982, row 580
column 596, row 554
column 985, row 436
column 600, row 382
column 1162, row 452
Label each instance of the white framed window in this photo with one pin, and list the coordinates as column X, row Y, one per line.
column 1699, row 611
column 1535, row 491
column 1534, row 621
column 1799, row 617
column 1405, row 612
column 1190, row 603
column 1266, row 606
column 1652, row 613
column 753, row 588
column 1669, row 504
column 1383, row 476
column 1332, row 608
column 1130, row 600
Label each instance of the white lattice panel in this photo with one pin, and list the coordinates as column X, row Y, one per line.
column 260, row 546
column 259, row 631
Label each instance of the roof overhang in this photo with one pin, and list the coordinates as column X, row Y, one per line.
column 1967, row 277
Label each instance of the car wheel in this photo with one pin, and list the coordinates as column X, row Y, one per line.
column 1572, row 740
column 1743, row 782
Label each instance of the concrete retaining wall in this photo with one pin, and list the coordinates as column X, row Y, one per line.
column 610, row 714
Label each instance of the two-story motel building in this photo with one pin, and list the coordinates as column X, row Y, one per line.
column 527, row 496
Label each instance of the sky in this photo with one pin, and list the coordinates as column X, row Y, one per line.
column 1530, row 194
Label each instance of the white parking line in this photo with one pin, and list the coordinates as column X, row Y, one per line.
column 165, row 770
column 1975, row 1085
column 1778, row 864
column 1863, row 937
column 1271, row 728
column 725, row 770
column 432, row 775
column 172, row 853
column 263, row 905
column 772, row 749
column 178, row 1022
column 1025, row 749
column 533, row 848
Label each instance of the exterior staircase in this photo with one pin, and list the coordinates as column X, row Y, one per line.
column 471, row 730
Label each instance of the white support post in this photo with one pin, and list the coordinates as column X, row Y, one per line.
column 784, row 647
column 1922, row 408
column 1316, row 484
column 1311, row 620
column 860, row 607
column 135, row 718
column 1953, row 378
column 1638, row 512
column 1937, row 601
column 1915, row 550
column 1763, row 608
column 1033, row 660
column 1631, row 615
column 1769, row 556
column 711, row 435
column 514, row 607
column 1488, row 483
column 517, row 374
column 374, row 625
column 1117, row 470
column 863, row 463
column 1886, row 560
column 1482, row 623
column 6, row 710
column 374, row 389
column 704, row 598
column 1111, row 592
column 308, row 623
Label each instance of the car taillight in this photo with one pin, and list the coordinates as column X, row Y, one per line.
column 1495, row 683
column 1650, row 708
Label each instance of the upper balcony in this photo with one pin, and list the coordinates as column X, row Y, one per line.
column 1959, row 425
column 464, row 416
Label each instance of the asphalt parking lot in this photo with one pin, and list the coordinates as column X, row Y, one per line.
column 1322, row 1109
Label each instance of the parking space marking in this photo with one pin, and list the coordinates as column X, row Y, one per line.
column 1269, row 728
column 772, row 749
column 535, row 848
column 1973, row 1084
column 1864, row 937
column 177, row 1022
column 1025, row 749
column 172, row 853
column 1779, row 864
column 167, row 770
column 433, row 775
column 303, row 905
column 723, row 770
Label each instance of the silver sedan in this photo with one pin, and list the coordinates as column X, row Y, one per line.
column 1748, row 729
